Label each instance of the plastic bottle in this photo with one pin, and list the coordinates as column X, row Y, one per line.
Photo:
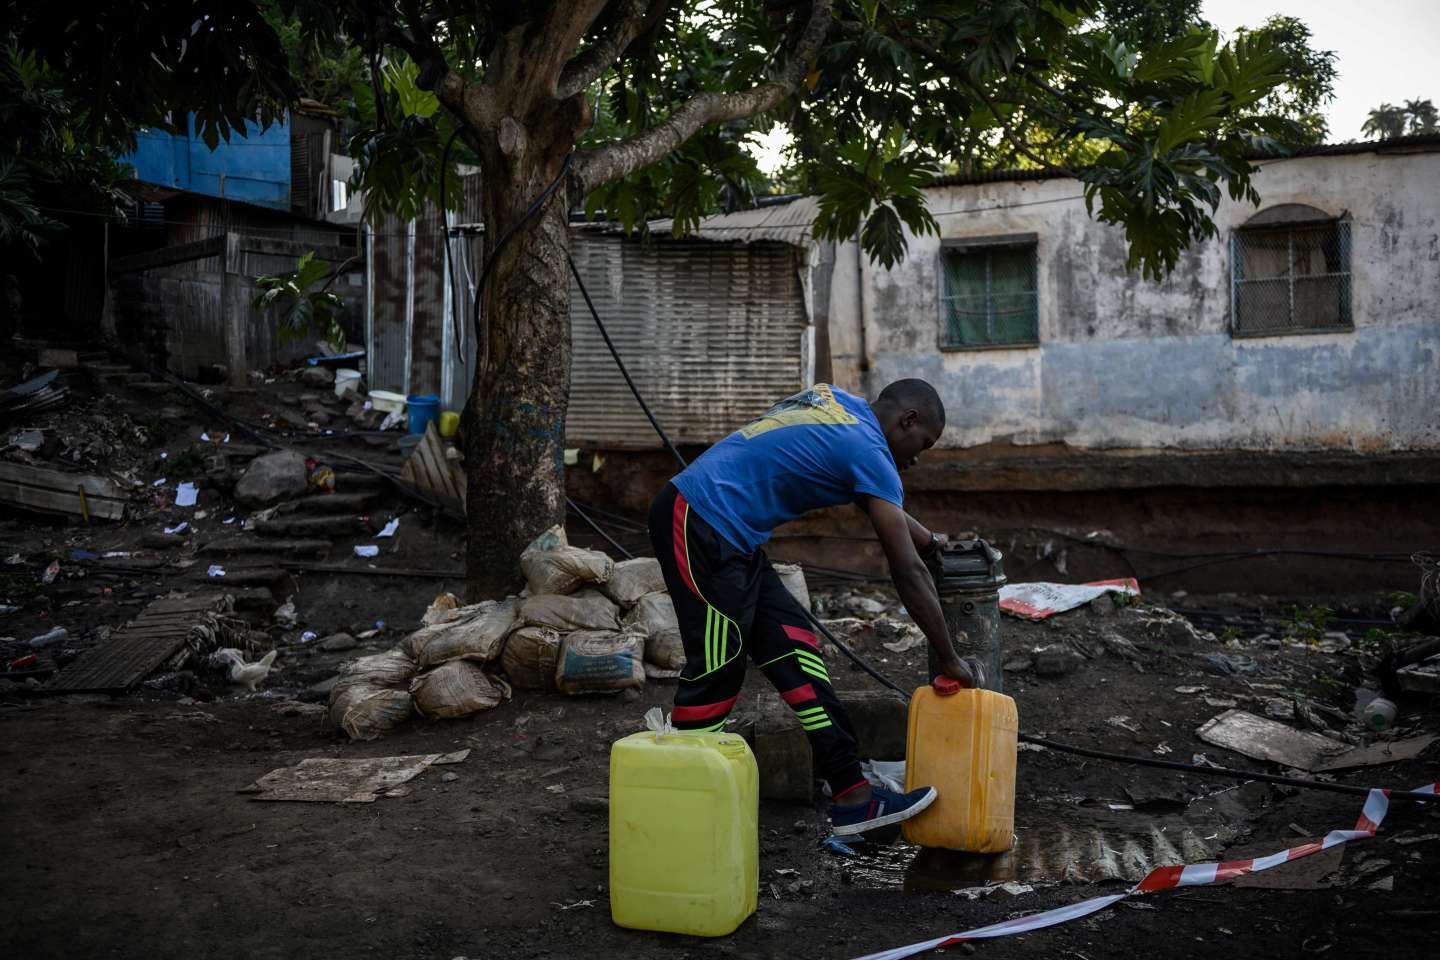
column 962, row 743
column 1379, row 714
column 684, row 832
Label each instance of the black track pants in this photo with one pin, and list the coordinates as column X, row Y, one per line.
column 731, row 604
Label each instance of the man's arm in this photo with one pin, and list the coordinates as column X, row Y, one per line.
column 917, row 589
column 921, row 535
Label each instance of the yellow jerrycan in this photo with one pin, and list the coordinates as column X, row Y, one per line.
column 962, row 743
column 684, row 832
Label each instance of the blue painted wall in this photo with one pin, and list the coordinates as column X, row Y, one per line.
column 254, row 168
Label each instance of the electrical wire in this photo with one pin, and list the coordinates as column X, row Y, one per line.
column 605, row 334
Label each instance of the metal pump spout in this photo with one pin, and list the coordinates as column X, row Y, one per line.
column 969, row 575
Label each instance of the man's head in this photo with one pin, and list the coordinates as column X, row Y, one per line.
column 911, row 417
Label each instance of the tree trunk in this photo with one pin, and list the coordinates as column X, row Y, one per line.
column 514, row 420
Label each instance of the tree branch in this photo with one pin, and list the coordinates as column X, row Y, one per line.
column 595, row 168
column 585, row 67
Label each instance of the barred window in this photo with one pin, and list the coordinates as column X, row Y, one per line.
column 988, row 296
column 1291, row 273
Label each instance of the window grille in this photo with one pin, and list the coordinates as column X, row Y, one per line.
column 1291, row 278
column 989, row 297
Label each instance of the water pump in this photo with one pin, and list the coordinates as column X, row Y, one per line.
column 969, row 575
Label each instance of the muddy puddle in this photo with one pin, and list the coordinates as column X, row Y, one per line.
column 1070, row 841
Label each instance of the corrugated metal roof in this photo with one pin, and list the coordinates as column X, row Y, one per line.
column 788, row 222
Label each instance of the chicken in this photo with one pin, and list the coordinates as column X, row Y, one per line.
column 249, row 675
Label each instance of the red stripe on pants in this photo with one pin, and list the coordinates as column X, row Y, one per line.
column 800, row 694
column 682, row 558
column 708, row 712
column 802, row 635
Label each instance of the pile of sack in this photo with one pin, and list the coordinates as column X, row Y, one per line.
column 584, row 624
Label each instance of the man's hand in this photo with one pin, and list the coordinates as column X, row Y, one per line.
column 969, row 671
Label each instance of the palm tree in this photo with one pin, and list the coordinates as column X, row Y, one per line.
column 1385, row 121
column 1424, row 118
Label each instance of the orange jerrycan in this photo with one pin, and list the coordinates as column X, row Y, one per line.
column 684, row 832
column 962, row 743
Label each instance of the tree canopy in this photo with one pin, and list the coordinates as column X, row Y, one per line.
column 1412, row 117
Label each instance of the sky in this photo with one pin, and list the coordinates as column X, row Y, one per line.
column 1387, row 49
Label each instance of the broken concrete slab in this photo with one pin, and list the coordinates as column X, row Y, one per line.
column 335, row 780
column 782, row 751
column 1262, row 739
column 1388, row 751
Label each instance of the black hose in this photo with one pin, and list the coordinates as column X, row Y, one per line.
column 621, row 364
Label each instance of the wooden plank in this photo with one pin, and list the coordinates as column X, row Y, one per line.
column 42, row 489
column 133, row 652
column 167, row 256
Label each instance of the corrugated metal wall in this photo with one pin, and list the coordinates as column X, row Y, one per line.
column 712, row 334
column 414, row 347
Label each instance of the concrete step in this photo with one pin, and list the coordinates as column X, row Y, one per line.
column 327, row 504
column 239, row 546
column 335, row 525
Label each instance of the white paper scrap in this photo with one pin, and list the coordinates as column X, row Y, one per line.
column 205, row 436
column 368, row 550
column 215, row 570
column 390, row 528
column 159, row 483
column 178, row 527
column 185, row 495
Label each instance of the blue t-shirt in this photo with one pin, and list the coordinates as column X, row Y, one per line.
column 820, row 448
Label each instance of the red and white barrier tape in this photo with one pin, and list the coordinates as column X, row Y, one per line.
column 1377, row 804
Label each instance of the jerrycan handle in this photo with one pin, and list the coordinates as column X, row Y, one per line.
column 946, row 686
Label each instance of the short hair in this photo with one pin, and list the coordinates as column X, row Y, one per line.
column 917, row 395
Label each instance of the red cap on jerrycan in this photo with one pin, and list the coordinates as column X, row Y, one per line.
column 946, row 686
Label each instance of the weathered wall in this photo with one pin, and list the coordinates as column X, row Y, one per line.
column 1125, row 362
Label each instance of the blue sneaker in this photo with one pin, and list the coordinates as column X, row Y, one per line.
column 882, row 809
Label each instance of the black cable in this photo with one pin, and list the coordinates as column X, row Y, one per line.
column 621, row 363
column 597, row 528
column 509, row 234
column 1219, row 771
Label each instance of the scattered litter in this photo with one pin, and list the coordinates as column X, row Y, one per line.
column 1228, row 665
column 115, row 555
column 308, row 636
column 1161, row 749
column 1125, row 723
column 205, row 437
column 1038, row 601
column 333, row 780
column 178, row 528
column 186, row 494
column 368, row 550
column 1220, row 703
column 49, row 637
column 1262, row 739
column 448, row 777
column 390, row 528
column 1191, row 690
column 555, row 788
column 228, row 520
column 159, row 483
column 215, row 570
column 577, row 903
column 909, row 642
column 1029, row 747
column 51, row 572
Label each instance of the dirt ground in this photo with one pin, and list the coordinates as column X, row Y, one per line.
column 125, row 836
column 124, row 831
